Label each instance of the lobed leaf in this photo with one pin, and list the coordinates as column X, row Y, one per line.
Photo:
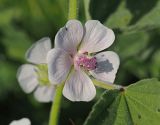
column 138, row 104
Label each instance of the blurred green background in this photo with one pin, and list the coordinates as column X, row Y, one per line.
column 136, row 24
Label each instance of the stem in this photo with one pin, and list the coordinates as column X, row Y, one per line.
column 86, row 8
column 73, row 9
column 54, row 114
column 105, row 85
column 56, row 106
column 57, row 101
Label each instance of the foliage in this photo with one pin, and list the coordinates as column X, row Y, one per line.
column 137, row 28
column 138, row 104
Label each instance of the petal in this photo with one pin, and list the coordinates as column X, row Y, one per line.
column 27, row 77
column 44, row 93
column 23, row 121
column 107, row 66
column 97, row 37
column 79, row 87
column 69, row 37
column 59, row 64
column 38, row 51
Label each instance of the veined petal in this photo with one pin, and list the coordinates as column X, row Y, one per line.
column 37, row 53
column 79, row 87
column 69, row 37
column 97, row 37
column 23, row 121
column 44, row 93
column 27, row 77
column 107, row 66
column 59, row 64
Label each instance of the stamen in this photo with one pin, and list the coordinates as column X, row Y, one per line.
column 87, row 62
column 42, row 74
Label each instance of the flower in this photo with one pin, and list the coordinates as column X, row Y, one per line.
column 23, row 121
column 73, row 58
column 34, row 76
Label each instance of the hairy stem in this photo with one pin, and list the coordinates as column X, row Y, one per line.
column 73, row 9
column 55, row 109
column 86, row 8
column 105, row 85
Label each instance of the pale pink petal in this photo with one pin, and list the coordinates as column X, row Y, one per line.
column 37, row 53
column 97, row 37
column 59, row 64
column 79, row 87
column 44, row 93
column 69, row 37
column 23, row 121
column 107, row 66
column 27, row 77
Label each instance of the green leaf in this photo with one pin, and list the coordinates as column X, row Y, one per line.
column 150, row 19
column 138, row 104
column 137, row 67
column 6, row 17
column 102, row 9
column 146, row 16
column 7, row 78
column 127, row 14
column 155, row 64
column 120, row 18
column 41, row 18
column 16, row 43
column 131, row 43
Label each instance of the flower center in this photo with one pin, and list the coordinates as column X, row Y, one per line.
column 42, row 74
column 89, row 63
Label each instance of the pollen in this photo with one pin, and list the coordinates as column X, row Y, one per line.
column 89, row 63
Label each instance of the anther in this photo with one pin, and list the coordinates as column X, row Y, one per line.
column 86, row 62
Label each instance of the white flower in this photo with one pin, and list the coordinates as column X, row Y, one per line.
column 73, row 55
column 34, row 76
column 23, row 121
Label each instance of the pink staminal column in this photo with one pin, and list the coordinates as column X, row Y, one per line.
column 88, row 63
